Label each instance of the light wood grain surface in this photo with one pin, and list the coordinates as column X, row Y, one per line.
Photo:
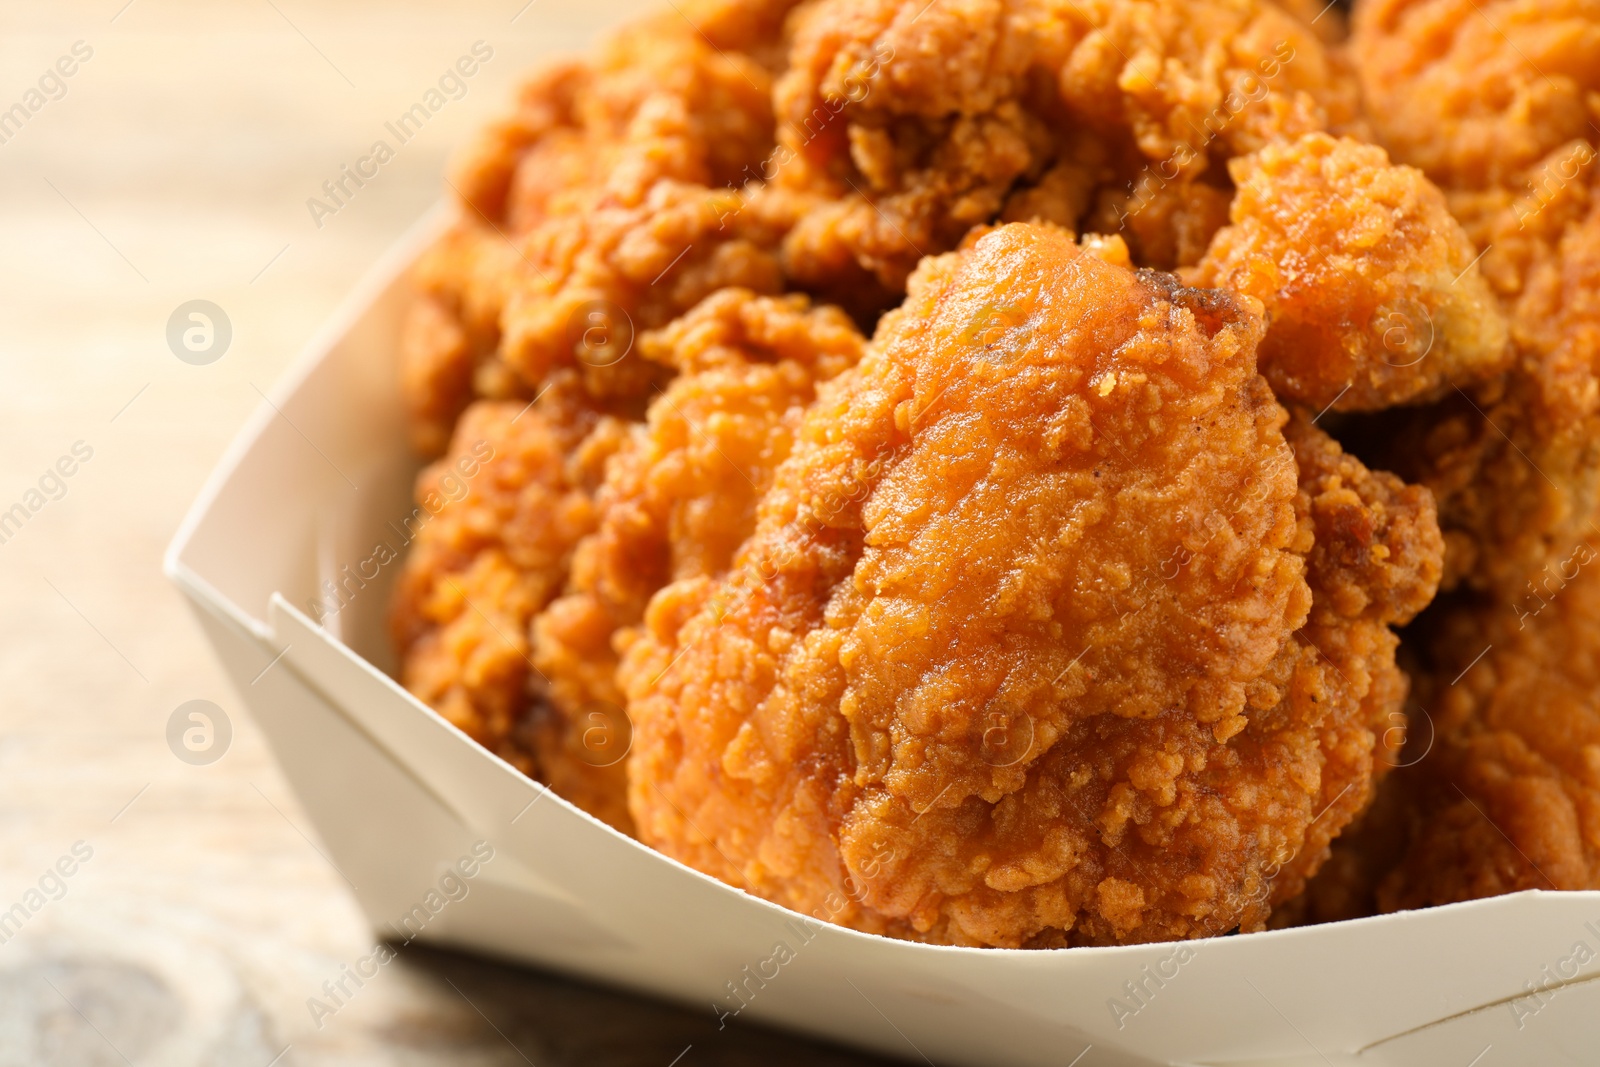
column 175, row 165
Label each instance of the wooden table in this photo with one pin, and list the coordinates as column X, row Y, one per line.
column 174, row 165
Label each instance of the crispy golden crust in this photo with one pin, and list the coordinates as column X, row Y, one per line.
column 1372, row 290
column 678, row 499
column 919, row 122
column 1201, row 82
column 1168, row 224
column 622, row 191
column 1346, row 885
column 1509, row 796
column 1376, row 561
column 1474, row 92
column 600, row 208
column 911, row 129
column 614, row 269
column 1479, row 745
column 1378, row 551
column 672, row 122
column 496, row 523
column 1515, row 462
column 1497, row 102
column 982, row 672
column 1043, row 625
column 451, row 331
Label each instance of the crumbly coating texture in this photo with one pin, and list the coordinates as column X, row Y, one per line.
column 1509, row 797
column 1498, row 103
column 1346, row 885
column 1474, row 92
column 1371, row 288
column 1204, row 81
column 451, row 332
column 920, row 122
column 604, row 205
column 678, row 499
column 1011, row 665
column 496, row 521
column 1515, row 462
column 672, row 122
column 1375, row 562
column 725, row 146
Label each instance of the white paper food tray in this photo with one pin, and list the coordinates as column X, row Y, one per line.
column 398, row 794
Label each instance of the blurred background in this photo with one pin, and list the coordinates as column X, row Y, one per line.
column 154, row 153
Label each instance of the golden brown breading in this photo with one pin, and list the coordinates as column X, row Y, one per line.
column 1372, row 290
column 1474, row 92
column 910, row 125
column 1376, row 561
column 1378, row 551
column 1205, row 80
column 497, row 521
column 1515, row 466
column 451, row 332
column 1515, row 462
column 1509, row 797
column 623, row 191
column 1169, row 224
column 920, row 121
column 1498, row 102
column 1012, row 656
column 601, row 207
column 678, row 500
column 620, row 266
column 675, row 122
column 1346, row 885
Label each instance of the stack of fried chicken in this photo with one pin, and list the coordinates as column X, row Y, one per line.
column 1035, row 473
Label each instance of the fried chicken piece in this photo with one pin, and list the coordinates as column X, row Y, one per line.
column 492, row 537
column 451, row 331
column 601, row 207
column 1346, row 885
column 1012, row 657
column 920, row 122
column 619, row 266
column 678, row 500
column 1169, row 224
column 1371, row 288
column 1474, row 92
column 674, row 124
column 912, row 130
column 1376, row 561
column 1509, row 797
column 1519, row 229
column 1515, row 462
column 1205, row 81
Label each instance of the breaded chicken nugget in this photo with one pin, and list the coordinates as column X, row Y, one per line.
column 1372, row 291
column 498, row 517
column 1515, row 462
column 602, row 206
column 1509, row 796
column 1375, row 562
column 1475, row 92
column 919, row 121
column 678, row 499
column 1012, row 657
